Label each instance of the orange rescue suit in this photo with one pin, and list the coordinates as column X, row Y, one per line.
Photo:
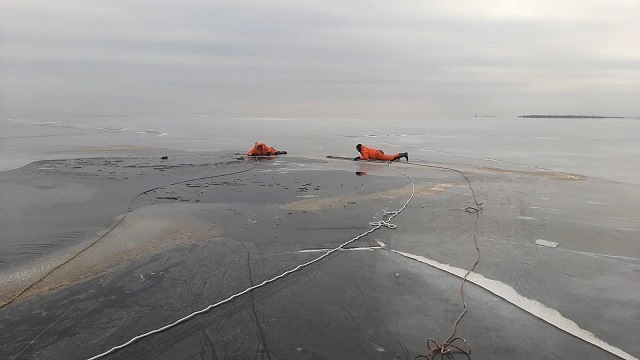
column 367, row 153
column 262, row 149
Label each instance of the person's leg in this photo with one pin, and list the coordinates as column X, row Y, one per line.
column 399, row 156
column 386, row 157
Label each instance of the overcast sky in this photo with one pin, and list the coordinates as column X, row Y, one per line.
column 296, row 58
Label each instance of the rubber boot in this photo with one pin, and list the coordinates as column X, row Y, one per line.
column 405, row 155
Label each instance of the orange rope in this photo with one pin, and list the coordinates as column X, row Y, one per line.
column 456, row 344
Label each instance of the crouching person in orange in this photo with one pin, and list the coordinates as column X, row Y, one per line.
column 262, row 149
column 367, row 153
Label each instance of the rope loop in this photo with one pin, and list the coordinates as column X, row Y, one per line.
column 386, row 217
column 446, row 349
column 449, row 346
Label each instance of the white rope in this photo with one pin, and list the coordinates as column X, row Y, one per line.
column 388, row 215
column 386, row 218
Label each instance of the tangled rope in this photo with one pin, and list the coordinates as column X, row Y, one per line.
column 26, row 288
column 385, row 222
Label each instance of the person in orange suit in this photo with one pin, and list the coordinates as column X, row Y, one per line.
column 367, row 153
column 262, row 149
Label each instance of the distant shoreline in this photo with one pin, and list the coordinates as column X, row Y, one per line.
column 570, row 117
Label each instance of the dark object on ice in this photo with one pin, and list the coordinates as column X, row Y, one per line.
column 367, row 153
column 168, row 197
column 338, row 157
column 360, row 173
column 164, row 157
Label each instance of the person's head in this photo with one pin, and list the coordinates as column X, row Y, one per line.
column 359, row 147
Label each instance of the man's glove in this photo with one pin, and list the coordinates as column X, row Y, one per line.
column 356, row 158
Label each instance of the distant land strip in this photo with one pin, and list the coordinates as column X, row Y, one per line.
column 570, row 117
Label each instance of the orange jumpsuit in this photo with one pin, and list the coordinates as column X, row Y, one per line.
column 262, row 149
column 367, row 153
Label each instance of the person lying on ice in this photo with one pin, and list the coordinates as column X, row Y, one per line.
column 262, row 149
column 367, row 153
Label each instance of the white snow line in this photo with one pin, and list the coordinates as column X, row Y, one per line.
column 343, row 249
column 531, row 306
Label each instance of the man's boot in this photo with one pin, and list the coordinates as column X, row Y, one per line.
column 405, row 155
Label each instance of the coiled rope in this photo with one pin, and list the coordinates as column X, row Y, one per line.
column 385, row 222
column 26, row 288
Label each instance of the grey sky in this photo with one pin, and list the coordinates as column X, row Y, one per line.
column 321, row 58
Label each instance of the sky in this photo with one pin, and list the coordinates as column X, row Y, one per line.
column 346, row 58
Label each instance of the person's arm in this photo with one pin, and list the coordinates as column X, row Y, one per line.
column 273, row 151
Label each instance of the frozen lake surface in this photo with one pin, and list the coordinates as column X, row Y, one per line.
column 602, row 148
column 558, row 233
